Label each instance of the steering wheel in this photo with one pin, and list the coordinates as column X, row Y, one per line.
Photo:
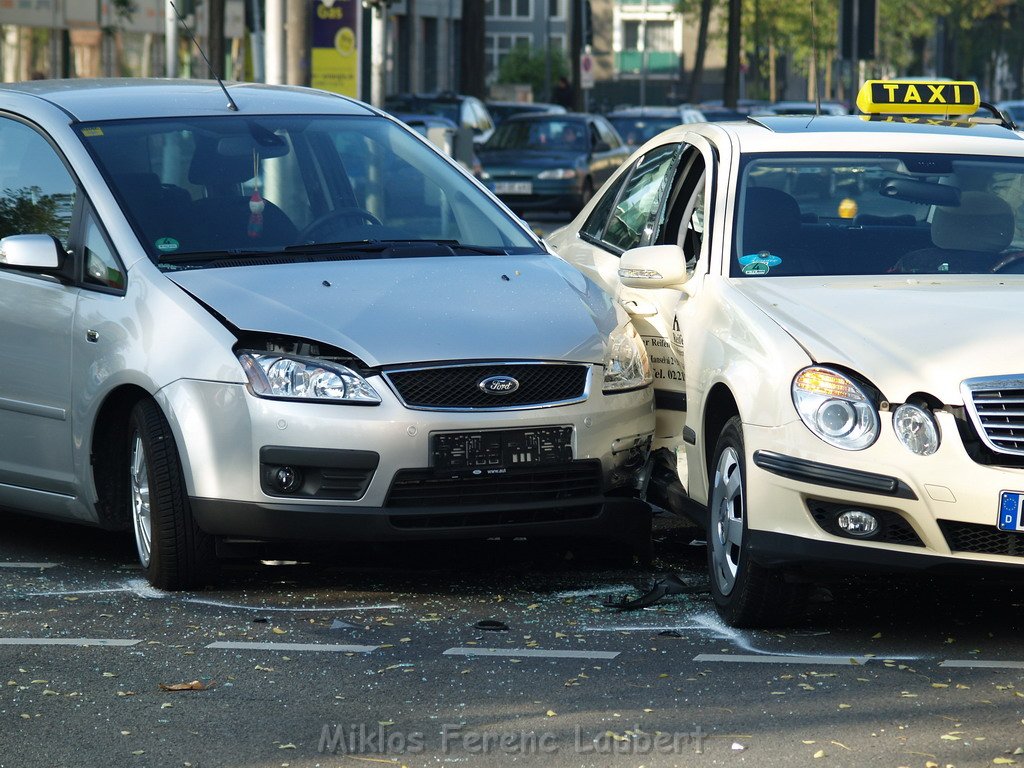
column 348, row 212
column 1009, row 260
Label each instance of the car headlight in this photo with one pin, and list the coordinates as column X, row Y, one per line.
column 558, row 173
column 835, row 408
column 288, row 377
column 626, row 365
column 916, row 429
column 484, row 174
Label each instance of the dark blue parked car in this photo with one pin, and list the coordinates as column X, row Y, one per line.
column 551, row 162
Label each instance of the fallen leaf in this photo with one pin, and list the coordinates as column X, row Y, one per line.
column 279, row 631
column 195, row 685
column 139, row 752
column 1004, row 761
column 551, row 713
column 286, row 746
column 109, row 674
column 808, row 742
column 820, row 753
column 844, row 706
column 166, row 705
column 876, row 636
column 940, row 685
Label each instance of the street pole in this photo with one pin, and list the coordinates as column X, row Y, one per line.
column 642, row 45
column 170, row 42
column 258, row 70
column 274, row 42
column 379, row 50
column 298, row 42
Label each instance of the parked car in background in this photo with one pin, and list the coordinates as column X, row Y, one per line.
column 445, row 135
column 743, row 106
column 292, row 321
column 1012, row 109
column 502, row 110
column 638, row 124
column 801, row 108
column 551, row 162
column 465, row 111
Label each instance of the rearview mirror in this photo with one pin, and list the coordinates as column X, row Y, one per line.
column 36, row 253
column 924, row 192
column 653, row 266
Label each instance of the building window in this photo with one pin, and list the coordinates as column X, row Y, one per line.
column 660, row 35
column 556, row 9
column 661, row 56
column 497, row 47
column 509, row 9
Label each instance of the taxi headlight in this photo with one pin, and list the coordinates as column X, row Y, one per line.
column 626, row 364
column 835, row 408
column 916, row 428
column 557, row 173
column 287, row 377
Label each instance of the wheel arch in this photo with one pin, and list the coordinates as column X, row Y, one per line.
column 108, row 454
column 720, row 406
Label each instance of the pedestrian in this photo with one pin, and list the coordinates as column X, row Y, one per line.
column 563, row 93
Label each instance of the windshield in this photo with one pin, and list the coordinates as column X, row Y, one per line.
column 636, row 130
column 243, row 184
column 844, row 214
column 540, row 135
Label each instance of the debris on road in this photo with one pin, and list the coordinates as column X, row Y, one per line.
column 664, row 586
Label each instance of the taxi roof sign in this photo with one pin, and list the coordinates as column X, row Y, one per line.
column 918, row 97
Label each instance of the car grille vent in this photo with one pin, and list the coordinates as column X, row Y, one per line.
column 458, row 387
column 541, row 484
column 494, row 518
column 982, row 539
column 996, row 406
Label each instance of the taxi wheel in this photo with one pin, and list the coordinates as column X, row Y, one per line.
column 745, row 593
column 173, row 552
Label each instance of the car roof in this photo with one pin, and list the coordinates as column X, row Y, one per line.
column 524, row 117
column 645, row 112
column 121, row 98
column 847, row 133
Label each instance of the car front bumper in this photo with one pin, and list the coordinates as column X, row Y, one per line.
column 936, row 510
column 376, row 467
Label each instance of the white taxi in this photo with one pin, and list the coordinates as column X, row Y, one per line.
column 833, row 309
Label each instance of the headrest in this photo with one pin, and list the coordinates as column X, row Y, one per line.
column 208, row 167
column 982, row 222
column 771, row 219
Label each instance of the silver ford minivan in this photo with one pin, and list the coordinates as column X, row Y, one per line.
column 265, row 314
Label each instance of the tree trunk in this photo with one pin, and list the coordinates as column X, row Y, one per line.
column 471, row 72
column 298, row 42
column 732, row 57
column 215, row 38
column 693, row 92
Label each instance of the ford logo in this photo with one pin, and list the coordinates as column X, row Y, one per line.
column 499, row 385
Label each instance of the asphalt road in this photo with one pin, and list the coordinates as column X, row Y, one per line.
column 375, row 657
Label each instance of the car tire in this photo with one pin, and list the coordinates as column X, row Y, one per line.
column 174, row 553
column 586, row 195
column 745, row 593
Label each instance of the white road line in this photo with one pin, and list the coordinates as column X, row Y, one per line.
column 271, row 608
column 289, row 647
column 607, row 590
column 531, row 652
column 982, row 664
column 649, row 628
column 77, row 641
column 40, row 566
column 849, row 661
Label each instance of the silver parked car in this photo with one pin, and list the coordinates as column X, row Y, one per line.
column 281, row 315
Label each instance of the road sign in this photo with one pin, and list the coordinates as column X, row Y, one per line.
column 586, row 71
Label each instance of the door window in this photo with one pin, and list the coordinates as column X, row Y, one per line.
column 101, row 265
column 37, row 192
column 633, row 220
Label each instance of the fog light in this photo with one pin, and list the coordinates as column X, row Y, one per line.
column 855, row 522
column 285, row 479
column 916, row 429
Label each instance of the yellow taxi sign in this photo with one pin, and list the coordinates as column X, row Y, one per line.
column 918, row 97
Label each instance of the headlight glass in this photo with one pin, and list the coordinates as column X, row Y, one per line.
column 557, row 173
column 298, row 378
column 626, row 364
column 835, row 408
column 916, row 429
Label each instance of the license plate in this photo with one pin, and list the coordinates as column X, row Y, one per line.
column 513, row 188
column 1010, row 503
column 500, row 448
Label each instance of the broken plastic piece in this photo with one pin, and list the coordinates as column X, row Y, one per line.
column 339, row 624
column 490, row 625
column 659, row 588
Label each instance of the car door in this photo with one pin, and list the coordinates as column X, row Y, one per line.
column 612, row 154
column 38, row 195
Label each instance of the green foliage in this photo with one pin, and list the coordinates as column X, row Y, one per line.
column 27, row 211
column 526, row 65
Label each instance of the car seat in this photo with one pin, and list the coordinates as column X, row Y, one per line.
column 967, row 238
column 772, row 224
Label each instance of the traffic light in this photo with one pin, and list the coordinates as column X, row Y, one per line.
column 588, row 22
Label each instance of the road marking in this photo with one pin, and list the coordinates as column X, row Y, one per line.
column 77, row 641
column 849, row 661
column 40, row 566
column 532, row 652
column 982, row 664
column 643, row 628
column 295, row 647
column 606, row 590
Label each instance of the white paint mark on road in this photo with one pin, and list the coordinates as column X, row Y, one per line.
column 848, row 661
column 77, row 641
column 295, row 647
column 607, row 590
column 34, row 566
column 982, row 664
column 646, row 628
column 531, row 652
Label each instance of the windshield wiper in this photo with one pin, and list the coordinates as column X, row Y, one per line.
column 203, row 257
column 389, row 248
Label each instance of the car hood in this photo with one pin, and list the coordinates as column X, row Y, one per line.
column 402, row 310
column 528, row 160
column 903, row 335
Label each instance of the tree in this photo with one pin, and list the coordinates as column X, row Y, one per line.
column 688, row 7
column 732, row 54
column 523, row 64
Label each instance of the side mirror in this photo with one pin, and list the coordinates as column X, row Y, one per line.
column 653, row 266
column 35, row 253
